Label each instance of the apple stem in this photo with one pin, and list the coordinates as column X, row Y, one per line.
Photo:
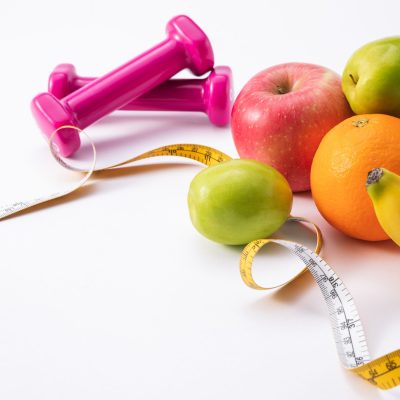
column 281, row 90
column 352, row 78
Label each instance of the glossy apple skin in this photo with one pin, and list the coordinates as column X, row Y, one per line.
column 371, row 78
column 282, row 114
column 238, row 201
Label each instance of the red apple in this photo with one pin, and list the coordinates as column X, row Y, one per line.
column 282, row 114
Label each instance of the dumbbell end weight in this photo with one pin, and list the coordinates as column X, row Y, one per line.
column 197, row 46
column 50, row 114
column 218, row 96
column 62, row 81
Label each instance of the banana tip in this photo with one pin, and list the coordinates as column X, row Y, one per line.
column 374, row 176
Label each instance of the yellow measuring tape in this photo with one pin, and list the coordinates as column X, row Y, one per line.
column 383, row 372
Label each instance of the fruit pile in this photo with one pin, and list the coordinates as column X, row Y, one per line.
column 338, row 136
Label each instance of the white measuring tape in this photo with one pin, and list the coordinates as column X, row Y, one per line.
column 351, row 343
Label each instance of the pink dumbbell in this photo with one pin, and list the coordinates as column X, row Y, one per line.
column 186, row 46
column 211, row 95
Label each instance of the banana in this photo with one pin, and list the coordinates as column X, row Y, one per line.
column 383, row 187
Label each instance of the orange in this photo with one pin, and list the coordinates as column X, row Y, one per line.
column 340, row 167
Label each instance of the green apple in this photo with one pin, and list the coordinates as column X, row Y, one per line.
column 371, row 79
column 238, row 201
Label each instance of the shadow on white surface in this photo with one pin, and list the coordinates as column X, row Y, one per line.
column 141, row 169
column 120, row 136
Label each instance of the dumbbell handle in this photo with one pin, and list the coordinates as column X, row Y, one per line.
column 111, row 91
column 172, row 95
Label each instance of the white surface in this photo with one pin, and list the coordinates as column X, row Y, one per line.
column 112, row 294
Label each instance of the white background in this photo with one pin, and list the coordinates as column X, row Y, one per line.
column 112, row 294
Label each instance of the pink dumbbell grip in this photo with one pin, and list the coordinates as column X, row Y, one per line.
column 176, row 95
